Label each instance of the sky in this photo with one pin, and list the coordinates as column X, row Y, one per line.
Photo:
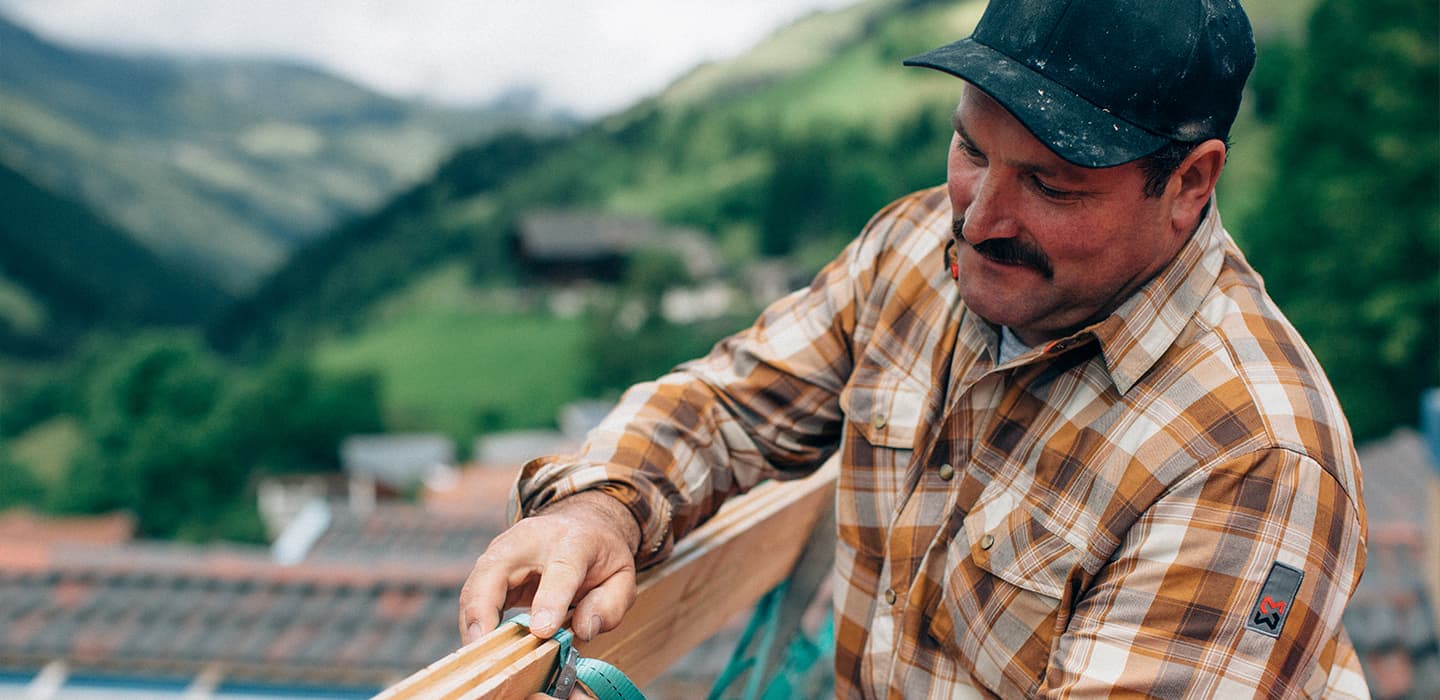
column 589, row 57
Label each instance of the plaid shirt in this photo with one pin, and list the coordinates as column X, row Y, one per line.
column 1098, row 515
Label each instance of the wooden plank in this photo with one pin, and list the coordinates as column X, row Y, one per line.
column 526, row 674
column 683, row 604
column 460, row 669
column 719, row 570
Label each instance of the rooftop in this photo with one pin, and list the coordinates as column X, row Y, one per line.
column 1391, row 618
column 372, row 600
column 175, row 610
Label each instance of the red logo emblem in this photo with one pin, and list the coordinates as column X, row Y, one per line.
column 1270, row 613
column 1270, row 605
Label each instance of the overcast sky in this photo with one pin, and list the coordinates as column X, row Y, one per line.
column 589, row 56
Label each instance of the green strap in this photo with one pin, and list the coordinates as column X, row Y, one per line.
column 796, row 672
column 607, row 682
column 603, row 680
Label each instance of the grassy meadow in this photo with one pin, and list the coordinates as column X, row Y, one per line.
column 451, row 359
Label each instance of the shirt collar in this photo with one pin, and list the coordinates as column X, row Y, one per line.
column 1137, row 334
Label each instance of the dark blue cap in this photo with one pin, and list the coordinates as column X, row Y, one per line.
column 1104, row 82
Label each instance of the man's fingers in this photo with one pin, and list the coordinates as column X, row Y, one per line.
column 602, row 608
column 483, row 597
column 521, row 595
column 549, row 561
column 558, row 584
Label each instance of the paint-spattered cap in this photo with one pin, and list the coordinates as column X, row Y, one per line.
column 1104, row 82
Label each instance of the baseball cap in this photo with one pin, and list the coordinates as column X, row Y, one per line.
column 1104, row 82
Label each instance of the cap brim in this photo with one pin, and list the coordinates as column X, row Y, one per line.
column 1071, row 126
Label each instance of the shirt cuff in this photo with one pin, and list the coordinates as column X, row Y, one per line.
column 547, row 480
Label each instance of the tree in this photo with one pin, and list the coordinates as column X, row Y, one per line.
column 823, row 187
column 18, row 485
column 144, row 406
column 629, row 340
column 177, row 435
column 1349, row 236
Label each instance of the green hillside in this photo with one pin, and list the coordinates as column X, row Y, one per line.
column 64, row 272
column 785, row 151
column 703, row 154
column 221, row 166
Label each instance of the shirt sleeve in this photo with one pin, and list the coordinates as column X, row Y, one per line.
column 763, row 404
column 1167, row 617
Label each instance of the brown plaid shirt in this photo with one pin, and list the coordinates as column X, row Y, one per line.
column 1096, row 516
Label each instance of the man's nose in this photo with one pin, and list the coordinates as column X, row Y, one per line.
column 991, row 211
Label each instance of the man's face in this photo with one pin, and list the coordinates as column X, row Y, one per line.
column 1046, row 247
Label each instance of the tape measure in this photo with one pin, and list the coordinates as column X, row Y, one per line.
column 603, row 680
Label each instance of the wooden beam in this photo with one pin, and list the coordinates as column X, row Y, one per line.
column 465, row 669
column 524, row 674
column 719, row 570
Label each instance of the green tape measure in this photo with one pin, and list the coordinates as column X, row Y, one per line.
column 603, row 680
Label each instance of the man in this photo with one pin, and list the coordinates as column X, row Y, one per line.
column 1082, row 452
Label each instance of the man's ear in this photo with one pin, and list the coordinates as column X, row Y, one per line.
column 1193, row 182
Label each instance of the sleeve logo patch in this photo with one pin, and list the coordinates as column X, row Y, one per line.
column 1268, row 614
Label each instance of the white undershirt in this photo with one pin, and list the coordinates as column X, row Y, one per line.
column 1010, row 346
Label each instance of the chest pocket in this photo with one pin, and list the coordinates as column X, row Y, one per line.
column 1007, row 593
column 882, row 418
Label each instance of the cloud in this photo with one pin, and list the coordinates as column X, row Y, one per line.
column 590, row 56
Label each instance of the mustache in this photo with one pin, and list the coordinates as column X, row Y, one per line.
column 1008, row 251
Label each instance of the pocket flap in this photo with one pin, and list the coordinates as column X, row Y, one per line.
column 887, row 416
column 1018, row 548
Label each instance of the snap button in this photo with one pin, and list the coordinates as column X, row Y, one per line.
column 889, row 596
column 878, row 421
column 947, row 472
column 987, row 542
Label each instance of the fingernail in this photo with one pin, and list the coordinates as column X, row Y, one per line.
column 474, row 632
column 541, row 621
column 594, row 627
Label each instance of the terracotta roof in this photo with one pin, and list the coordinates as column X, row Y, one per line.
column 393, row 532
column 173, row 610
column 373, row 600
column 22, row 525
column 475, row 490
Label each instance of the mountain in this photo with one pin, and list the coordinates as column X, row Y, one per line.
column 704, row 153
column 783, row 151
column 65, row 272
column 220, row 166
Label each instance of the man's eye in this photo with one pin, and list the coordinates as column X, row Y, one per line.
column 972, row 152
column 1048, row 191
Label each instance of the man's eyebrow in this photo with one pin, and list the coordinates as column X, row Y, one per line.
column 969, row 143
column 1027, row 166
column 960, row 127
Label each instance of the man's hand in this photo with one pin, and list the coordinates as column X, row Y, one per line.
column 580, row 548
